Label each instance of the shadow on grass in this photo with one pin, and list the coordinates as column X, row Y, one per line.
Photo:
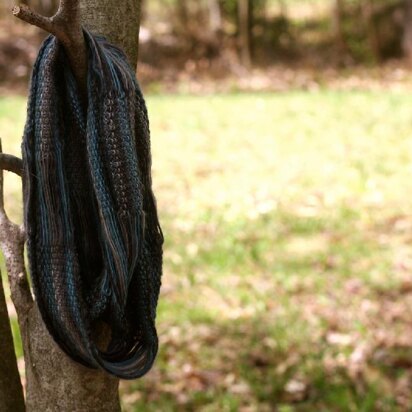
column 281, row 312
column 243, row 365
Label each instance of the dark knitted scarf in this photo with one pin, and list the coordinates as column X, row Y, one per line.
column 94, row 240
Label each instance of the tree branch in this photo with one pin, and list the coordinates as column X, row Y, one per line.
column 12, row 245
column 66, row 26
column 11, row 163
column 24, row 13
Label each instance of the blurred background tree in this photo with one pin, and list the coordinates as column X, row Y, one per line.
column 276, row 29
column 220, row 36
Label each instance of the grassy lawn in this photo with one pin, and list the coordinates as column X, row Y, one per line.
column 288, row 257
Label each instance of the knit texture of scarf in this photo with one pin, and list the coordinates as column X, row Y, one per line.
column 94, row 240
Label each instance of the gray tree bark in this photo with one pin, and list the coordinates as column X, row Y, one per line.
column 119, row 21
column 54, row 382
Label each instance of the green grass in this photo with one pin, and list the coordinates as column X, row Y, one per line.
column 288, row 251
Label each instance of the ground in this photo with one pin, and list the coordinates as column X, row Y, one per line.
column 287, row 280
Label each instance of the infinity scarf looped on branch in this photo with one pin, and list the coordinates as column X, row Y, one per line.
column 94, row 239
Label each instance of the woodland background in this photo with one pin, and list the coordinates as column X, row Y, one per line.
column 282, row 157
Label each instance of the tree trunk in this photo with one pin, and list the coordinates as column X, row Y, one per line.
column 245, row 35
column 118, row 21
column 215, row 16
column 11, row 391
column 407, row 35
column 337, row 17
column 57, row 384
column 183, row 14
column 372, row 32
column 283, row 8
column 54, row 382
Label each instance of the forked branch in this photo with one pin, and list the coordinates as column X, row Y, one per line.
column 66, row 26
